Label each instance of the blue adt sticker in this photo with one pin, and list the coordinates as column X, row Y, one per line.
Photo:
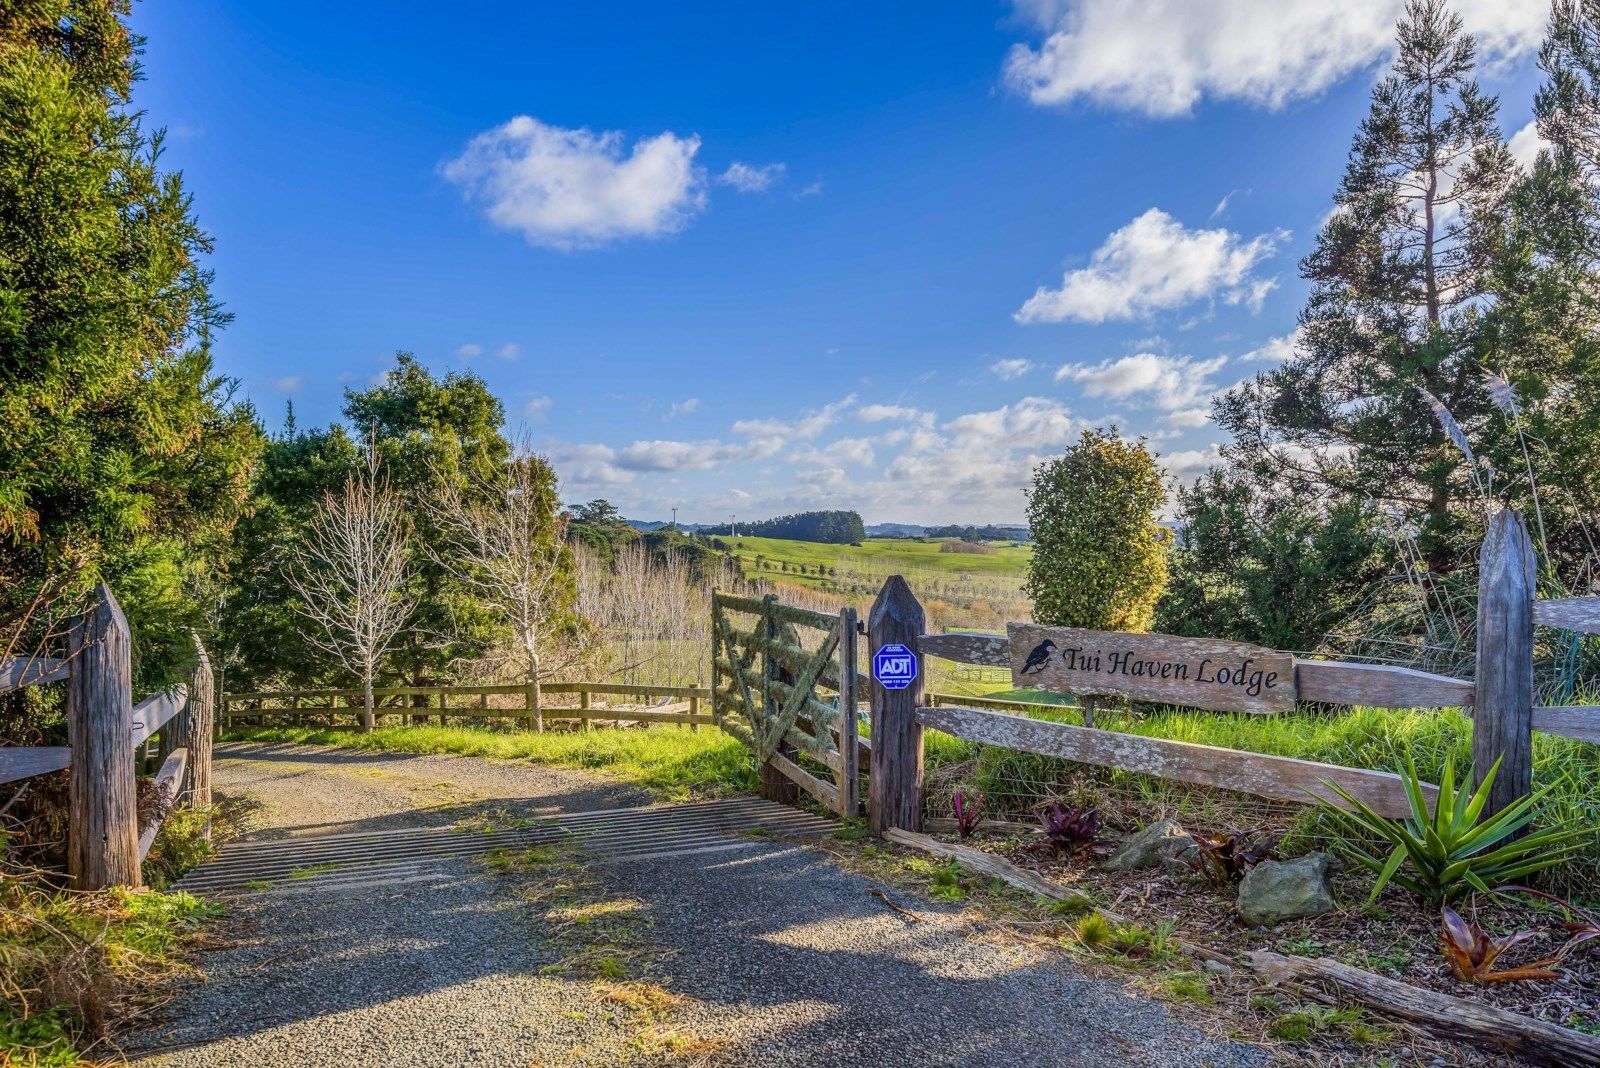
column 894, row 666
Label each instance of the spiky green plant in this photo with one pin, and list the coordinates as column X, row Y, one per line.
column 1453, row 849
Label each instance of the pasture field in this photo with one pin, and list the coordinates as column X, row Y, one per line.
column 875, row 555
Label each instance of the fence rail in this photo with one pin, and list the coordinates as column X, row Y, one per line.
column 1499, row 701
column 107, row 733
column 452, row 702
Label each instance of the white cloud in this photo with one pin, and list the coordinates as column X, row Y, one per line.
column 1189, row 464
column 747, row 179
column 588, row 465
column 683, row 407
column 811, row 189
column 289, row 384
column 1161, row 57
column 1526, row 144
column 469, row 352
column 681, row 455
column 509, row 351
column 1173, row 381
column 1006, row 370
column 878, row 413
column 1030, row 423
column 1156, row 263
column 1274, row 350
column 569, row 189
column 537, row 409
column 807, row 426
column 1188, row 418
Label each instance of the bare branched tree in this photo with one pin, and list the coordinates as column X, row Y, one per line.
column 351, row 573
column 506, row 540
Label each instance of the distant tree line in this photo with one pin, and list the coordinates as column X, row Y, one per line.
column 830, row 528
column 976, row 533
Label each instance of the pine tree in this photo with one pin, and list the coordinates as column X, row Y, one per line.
column 121, row 454
column 1401, row 274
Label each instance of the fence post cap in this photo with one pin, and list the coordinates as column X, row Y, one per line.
column 896, row 603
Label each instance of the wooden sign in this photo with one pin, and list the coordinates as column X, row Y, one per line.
column 1200, row 672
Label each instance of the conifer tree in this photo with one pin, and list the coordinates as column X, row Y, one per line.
column 1396, row 320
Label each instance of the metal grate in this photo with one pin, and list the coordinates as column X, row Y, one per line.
column 366, row 858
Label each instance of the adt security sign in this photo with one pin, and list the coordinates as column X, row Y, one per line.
column 894, row 666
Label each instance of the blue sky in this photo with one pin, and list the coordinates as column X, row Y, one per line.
column 754, row 258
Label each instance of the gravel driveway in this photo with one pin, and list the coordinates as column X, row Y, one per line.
column 782, row 957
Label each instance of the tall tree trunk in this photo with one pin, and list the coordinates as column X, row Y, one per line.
column 366, row 701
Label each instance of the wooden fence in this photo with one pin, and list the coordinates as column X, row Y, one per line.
column 1500, row 701
column 107, row 736
column 414, row 704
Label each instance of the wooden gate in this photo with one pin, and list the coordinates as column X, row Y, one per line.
column 789, row 700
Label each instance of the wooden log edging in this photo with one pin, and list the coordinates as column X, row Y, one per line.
column 1442, row 1014
column 1281, row 778
column 984, row 863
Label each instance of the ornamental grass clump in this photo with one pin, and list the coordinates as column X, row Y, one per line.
column 1441, row 855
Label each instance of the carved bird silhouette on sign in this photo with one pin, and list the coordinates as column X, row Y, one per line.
column 1039, row 657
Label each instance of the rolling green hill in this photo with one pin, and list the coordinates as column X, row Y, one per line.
column 765, row 557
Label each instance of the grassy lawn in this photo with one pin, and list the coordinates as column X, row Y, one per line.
column 672, row 763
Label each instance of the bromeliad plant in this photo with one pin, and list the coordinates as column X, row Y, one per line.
column 1471, row 953
column 1074, row 831
column 969, row 813
column 1580, row 927
column 1453, row 850
column 1224, row 858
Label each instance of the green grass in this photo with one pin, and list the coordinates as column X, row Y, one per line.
column 875, row 554
column 78, row 965
column 672, row 763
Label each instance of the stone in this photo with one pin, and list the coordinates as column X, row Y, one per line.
column 1278, row 890
column 1161, row 844
column 1217, row 968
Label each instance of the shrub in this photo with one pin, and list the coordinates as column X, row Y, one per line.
column 1453, row 850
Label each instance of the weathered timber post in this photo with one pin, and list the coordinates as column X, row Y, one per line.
column 103, row 835
column 198, row 718
column 895, row 785
column 583, row 709
column 775, row 785
column 1502, row 714
column 694, row 710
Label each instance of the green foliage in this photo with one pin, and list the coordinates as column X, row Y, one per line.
column 77, row 965
column 834, row 528
column 431, row 434
column 1099, row 557
column 122, row 455
column 1269, row 568
column 1441, row 855
column 1395, row 312
column 261, row 637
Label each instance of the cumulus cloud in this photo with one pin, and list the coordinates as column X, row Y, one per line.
column 509, row 351
column 1162, row 57
column 747, row 179
column 1275, row 350
column 1156, row 263
column 537, row 409
column 1006, row 370
column 469, row 352
column 681, row 455
column 1189, row 464
column 808, row 425
column 1172, row 382
column 879, row 413
column 1526, row 144
column 567, row 189
column 683, row 407
column 1188, row 418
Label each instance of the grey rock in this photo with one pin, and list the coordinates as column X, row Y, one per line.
column 1278, row 890
column 1217, row 968
column 1161, row 844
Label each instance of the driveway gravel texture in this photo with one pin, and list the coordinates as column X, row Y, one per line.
column 781, row 957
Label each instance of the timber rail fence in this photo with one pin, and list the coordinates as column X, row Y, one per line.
column 422, row 703
column 1500, row 701
column 108, row 735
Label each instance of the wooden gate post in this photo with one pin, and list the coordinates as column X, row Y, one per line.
column 103, row 836
column 1502, row 714
column 895, row 785
column 775, row 785
column 198, row 721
